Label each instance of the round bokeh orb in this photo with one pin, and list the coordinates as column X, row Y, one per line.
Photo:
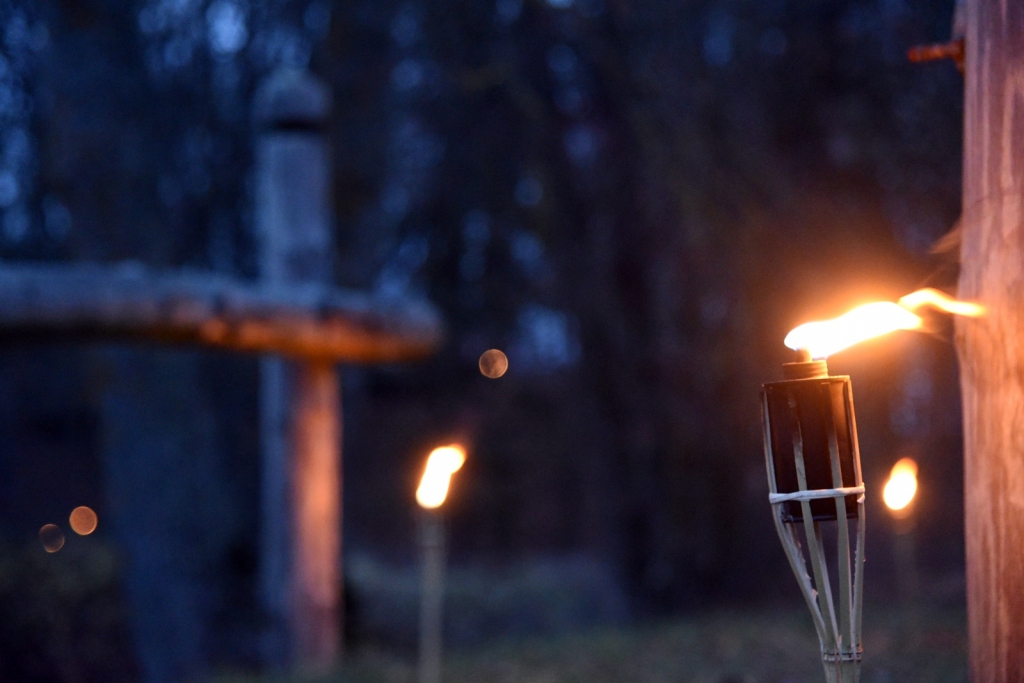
column 51, row 537
column 83, row 520
column 493, row 363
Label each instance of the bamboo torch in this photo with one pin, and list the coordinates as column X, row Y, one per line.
column 814, row 472
column 442, row 463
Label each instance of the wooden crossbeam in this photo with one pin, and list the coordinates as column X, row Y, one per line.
column 129, row 301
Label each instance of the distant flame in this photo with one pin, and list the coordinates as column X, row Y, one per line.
column 442, row 463
column 899, row 491
column 823, row 338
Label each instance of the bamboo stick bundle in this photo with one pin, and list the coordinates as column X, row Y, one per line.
column 814, row 478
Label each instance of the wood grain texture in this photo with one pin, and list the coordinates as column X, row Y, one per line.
column 132, row 302
column 991, row 349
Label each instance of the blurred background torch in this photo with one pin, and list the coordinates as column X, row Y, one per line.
column 442, row 463
column 899, row 494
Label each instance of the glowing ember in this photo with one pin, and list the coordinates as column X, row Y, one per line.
column 899, row 491
column 823, row 338
column 83, row 520
column 441, row 465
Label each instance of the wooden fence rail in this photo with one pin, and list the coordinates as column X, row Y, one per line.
column 82, row 302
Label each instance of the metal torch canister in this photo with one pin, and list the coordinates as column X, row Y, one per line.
column 813, row 410
column 814, row 476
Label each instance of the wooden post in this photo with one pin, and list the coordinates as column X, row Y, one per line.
column 300, row 401
column 991, row 349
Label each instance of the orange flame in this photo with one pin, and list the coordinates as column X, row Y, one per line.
column 941, row 301
column 442, row 463
column 825, row 337
column 899, row 491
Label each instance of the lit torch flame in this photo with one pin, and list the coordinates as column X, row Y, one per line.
column 941, row 301
column 899, row 491
column 442, row 463
column 825, row 337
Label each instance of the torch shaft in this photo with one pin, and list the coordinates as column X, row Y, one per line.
column 432, row 546
column 905, row 550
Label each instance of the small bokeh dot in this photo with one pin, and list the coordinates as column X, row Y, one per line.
column 51, row 537
column 83, row 520
column 493, row 363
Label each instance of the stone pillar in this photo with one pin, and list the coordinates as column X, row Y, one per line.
column 300, row 584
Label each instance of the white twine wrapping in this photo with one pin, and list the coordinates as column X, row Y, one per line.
column 776, row 498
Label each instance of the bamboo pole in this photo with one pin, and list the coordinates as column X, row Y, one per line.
column 790, row 541
column 846, row 652
column 432, row 547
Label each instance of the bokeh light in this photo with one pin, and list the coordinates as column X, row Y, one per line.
column 899, row 491
column 83, row 520
column 442, row 463
column 51, row 537
column 493, row 363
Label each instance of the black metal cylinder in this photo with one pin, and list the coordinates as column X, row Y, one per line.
column 811, row 414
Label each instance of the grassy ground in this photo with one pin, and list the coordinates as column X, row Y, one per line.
column 904, row 646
